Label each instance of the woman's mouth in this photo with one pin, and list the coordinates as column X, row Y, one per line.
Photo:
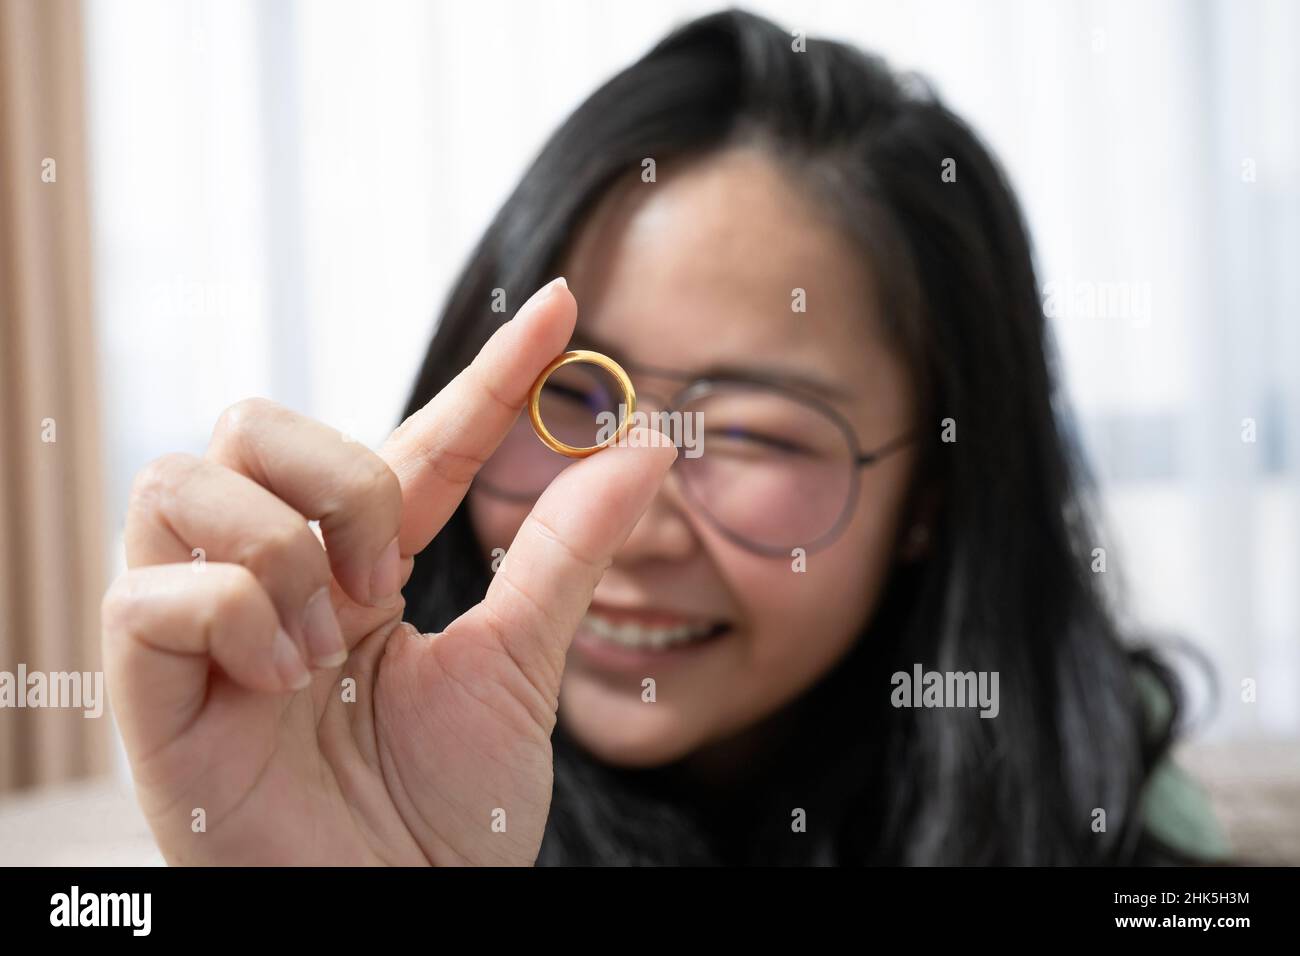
column 621, row 638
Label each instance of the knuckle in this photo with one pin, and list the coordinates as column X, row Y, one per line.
column 117, row 609
column 160, row 478
column 375, row 483
column 454, row 467
column 491, row 390
column 281, row 544
column 367, row 487
column 550, row 618
column 237, row 419
column 232, row 592
column 596, row 564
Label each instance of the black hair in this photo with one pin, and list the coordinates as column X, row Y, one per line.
column 1006, row 584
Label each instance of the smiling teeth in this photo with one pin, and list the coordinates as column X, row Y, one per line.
column 635, row 635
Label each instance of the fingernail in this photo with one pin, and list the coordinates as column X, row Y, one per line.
column 386, row 578
column 641, row 437
column 543, row 293
column 288, row 662
column 321, row 631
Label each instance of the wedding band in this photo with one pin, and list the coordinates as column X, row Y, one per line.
column 591, row 358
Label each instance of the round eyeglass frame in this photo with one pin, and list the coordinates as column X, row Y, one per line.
column 858, row 459
column 696, row 388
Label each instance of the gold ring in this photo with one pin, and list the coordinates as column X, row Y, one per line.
column 569, row 358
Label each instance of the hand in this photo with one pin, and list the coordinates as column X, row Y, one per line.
column 444, row 733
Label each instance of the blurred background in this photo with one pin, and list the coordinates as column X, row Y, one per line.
column 272, row 197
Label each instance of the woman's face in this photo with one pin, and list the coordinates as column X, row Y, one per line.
column 695, row 271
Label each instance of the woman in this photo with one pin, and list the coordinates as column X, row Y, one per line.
column 742, row 652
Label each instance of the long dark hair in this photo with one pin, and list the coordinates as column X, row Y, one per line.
column 1007, row 584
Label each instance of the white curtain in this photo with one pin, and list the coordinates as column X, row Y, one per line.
column 284, row 191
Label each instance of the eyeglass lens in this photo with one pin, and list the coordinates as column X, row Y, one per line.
column 771, row 471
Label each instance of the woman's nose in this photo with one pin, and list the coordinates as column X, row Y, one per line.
column 663, row 533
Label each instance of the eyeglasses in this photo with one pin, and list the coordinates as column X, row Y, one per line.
column 771, row 468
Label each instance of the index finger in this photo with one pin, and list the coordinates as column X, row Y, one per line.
column 439, row 449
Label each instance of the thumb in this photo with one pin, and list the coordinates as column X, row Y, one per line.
column 546, row 580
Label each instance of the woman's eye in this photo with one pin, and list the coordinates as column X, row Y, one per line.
column 566, row 393
column 754, row 440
